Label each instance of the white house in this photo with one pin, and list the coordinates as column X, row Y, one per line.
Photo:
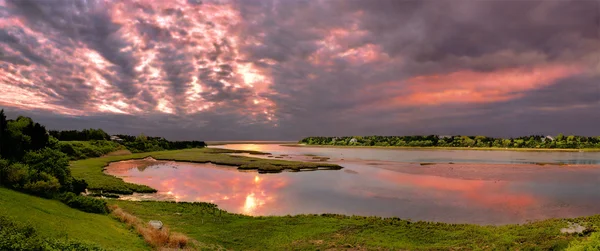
column 115, row 138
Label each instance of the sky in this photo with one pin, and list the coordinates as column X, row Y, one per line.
column 287, row 69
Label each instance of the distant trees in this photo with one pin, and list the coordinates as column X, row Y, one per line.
column 533, row 141
column 143, row 143
column 83, row 135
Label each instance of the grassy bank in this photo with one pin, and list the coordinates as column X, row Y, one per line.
column 52, row 219
column 455, row 148
column 206, row 224
column 92, row 169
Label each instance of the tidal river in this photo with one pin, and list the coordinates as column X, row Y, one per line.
column 483, row 187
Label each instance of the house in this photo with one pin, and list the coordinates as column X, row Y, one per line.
column 444, row 136
column 115, row 138
column 353, row 140
column 547, row 138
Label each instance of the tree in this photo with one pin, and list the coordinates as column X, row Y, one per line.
column 3, row 132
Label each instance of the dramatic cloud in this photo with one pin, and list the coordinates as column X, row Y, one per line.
column 274, row 69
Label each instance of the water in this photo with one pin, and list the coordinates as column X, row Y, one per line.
column 425, row 155
column 377, row 183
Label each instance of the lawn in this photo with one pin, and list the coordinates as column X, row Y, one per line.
column 54, row 219
column 91, row 170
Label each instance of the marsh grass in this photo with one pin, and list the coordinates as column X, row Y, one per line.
column 157, row 238
column 209, row 225
column 91, row 170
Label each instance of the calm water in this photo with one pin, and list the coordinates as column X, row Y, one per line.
column 380, row 182
column 441, row 156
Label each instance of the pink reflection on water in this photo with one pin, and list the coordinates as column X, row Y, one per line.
column 485, row 193
column 243, row 192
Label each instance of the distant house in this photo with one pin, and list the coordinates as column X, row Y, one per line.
column 444, row 136
column 547, row 138
column 353, row 140
column 115, row 138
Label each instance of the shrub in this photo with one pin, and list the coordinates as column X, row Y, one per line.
column 43, row 185
column 84, row 203
column 15, row 175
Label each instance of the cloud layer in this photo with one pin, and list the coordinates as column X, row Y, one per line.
column 275, row 69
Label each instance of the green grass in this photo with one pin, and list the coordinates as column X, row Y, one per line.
column 206, row 224
column 53, row 219
column 91, row 170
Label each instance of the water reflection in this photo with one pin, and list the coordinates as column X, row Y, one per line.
column 425, row 155
column 461, row 194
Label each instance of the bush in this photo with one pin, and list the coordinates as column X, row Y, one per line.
column 43, row 185
column 15, row 175
column 84, row 203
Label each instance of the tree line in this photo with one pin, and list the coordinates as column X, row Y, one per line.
column 534, row 141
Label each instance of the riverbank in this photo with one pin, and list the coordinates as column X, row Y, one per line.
column 91, row 170
column 454, row 148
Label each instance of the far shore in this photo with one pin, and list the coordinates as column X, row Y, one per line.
column 257, row 142
column 456, row 148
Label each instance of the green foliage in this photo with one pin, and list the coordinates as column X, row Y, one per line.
column 84, row 135
column 143, row 143
column 20, row 136
column 43, row 184
column 84, row 203
column 88, row 149
column 50, row 161
column 534, row 141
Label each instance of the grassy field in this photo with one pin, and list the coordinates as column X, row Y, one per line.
column 92, row 169
column 56, row 220
column 457, row 148
column 215, row 228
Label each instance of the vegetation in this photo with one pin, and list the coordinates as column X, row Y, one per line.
column 88, row 149
column 19, row 236
column 54, row 220
column 157, row 238
column 143, row 143
column 534, row 141
column 91, row 170
column 84, row 135
column 33, row 164
column 207, row 224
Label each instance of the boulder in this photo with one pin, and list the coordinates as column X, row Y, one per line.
column 573, row 228
column 156, row 224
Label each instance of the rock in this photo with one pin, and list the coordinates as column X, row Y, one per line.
column 573, row 228
column 156, row 224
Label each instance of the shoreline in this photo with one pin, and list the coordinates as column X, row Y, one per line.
column 454, row 148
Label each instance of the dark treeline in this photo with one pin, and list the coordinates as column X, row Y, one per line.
column 534, row 141
column 143, row 143
column 31, row 162
column 84, row 135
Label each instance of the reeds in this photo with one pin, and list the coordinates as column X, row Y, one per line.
column 162, row 239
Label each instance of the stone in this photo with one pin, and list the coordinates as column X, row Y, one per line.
column 156, row 224
column 573, row 228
